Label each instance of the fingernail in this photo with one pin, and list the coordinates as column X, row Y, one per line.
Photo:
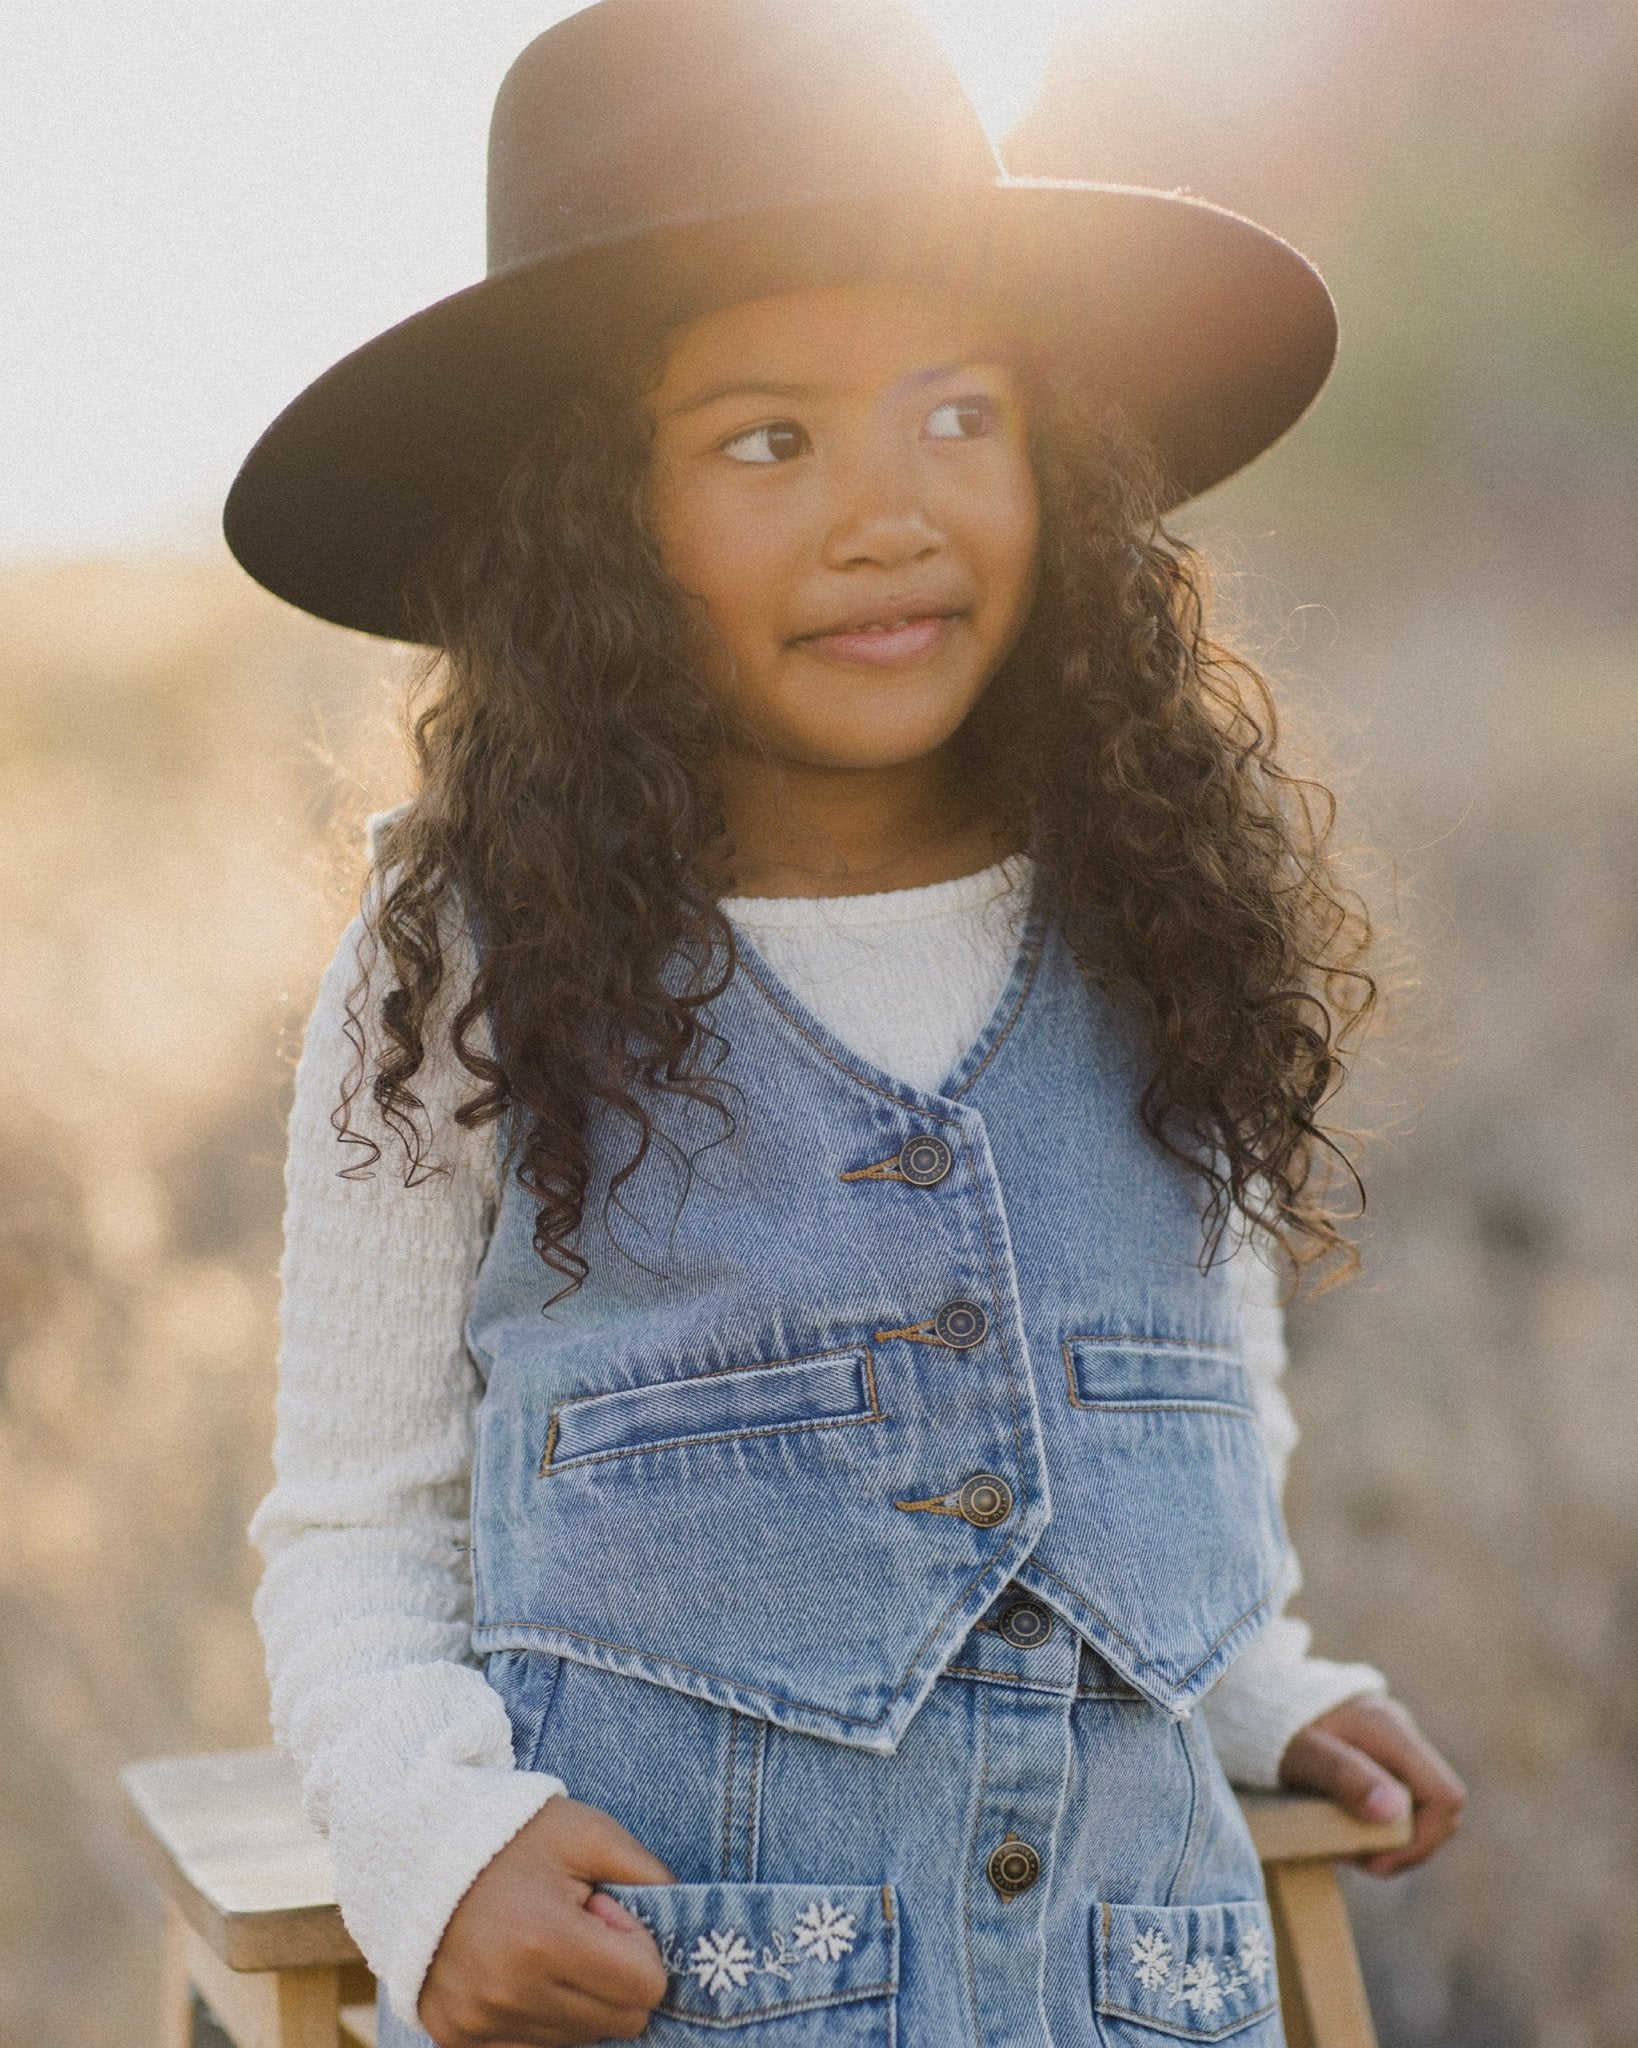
column 1386, row 1802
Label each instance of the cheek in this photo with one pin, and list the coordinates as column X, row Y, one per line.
column 723, row 548
column 1008, row 540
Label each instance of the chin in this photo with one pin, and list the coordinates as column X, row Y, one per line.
column 869, row 750
column 901, row 734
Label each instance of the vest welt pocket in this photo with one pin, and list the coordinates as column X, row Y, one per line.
column 1154, row 1372
column 1185, row 1973
column 803, row 1964
column 826, row 1391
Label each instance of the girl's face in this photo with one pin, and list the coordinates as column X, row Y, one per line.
column 842, row 479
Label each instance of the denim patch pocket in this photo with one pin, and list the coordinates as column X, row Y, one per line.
column 822, row 1392
column 1187, row 1973
column 805, row 1963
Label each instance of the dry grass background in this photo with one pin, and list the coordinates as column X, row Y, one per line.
column 1441, row 566
column 167, row 806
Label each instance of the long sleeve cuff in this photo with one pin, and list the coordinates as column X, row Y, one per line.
column 404, row 1863
column 1272, row 1689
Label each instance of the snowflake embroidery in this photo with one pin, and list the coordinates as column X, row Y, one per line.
column 1152, row 1955
column 1254, row 1958
column 825, row 1932
column 722, row 1962
column 1200, row 1988
column 1204, row 1986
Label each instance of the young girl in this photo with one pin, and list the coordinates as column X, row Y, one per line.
column 778, row 1425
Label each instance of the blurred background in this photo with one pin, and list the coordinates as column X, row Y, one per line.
column 203, row 208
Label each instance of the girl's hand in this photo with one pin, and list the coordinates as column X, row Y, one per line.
column 535, row 1954
column 1370, row 1757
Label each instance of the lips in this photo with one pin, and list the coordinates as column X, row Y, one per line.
column 884, row 641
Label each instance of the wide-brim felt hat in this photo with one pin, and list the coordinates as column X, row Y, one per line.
column 652, row 159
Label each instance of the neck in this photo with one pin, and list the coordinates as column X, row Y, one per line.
column 800, row 830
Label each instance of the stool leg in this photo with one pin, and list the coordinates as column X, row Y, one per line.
column 1322, row 1993
column 176, row 1986
column 268, row 2008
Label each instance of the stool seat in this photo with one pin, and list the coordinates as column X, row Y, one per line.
column 256, row 1932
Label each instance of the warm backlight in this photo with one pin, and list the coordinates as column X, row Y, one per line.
column 1001, row 49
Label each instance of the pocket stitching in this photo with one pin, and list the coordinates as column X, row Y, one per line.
column 1149, row 2022
column 887, row 1988
column 1126, row 1340
column 1173, row 1402
column 875, row 1413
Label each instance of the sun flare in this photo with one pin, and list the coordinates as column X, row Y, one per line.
column 1001, row 50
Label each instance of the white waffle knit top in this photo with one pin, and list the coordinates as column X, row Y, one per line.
column 366, row 1602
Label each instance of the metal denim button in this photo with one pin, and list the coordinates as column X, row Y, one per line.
column 961, row 1325
column 925, row 1161
column 1013, row 1867
column 1026, row 1624
column 985, row 1500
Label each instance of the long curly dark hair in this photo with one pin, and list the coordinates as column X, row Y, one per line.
column 566, row 807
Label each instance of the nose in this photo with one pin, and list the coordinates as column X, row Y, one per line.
column 879, row 514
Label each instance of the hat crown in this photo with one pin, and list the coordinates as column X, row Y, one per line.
column 634, row 114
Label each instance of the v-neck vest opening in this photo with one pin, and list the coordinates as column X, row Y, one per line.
column 798, row 1016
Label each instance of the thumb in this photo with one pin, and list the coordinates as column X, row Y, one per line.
column 1317, row 1761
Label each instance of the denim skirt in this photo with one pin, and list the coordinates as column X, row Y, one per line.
column 1046, row 1861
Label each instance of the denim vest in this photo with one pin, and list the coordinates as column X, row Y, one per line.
column 827, row 1390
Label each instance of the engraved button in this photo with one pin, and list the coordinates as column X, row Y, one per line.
column 1013, row 1867
column 985, row 1500
column 925, row 1161
column 961, row 1325
column 1026, row 1624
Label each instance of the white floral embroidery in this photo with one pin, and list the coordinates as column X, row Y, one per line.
column 825, row 1931
column 1152, row 1956
column 1200, row 1988
column 724, row 1961
column 1206, row 1985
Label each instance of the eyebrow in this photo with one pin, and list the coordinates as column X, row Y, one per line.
column 738, row 388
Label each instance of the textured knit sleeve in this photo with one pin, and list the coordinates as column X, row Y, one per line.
column 365, row 1605
column 1274, row 1687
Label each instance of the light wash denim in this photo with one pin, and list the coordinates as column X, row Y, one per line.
column 751, row 1508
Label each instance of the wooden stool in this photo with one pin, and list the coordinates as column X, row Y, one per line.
column 253, row 1929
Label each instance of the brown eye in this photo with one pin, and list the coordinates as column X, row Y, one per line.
column 781, row 442
column 962, row 419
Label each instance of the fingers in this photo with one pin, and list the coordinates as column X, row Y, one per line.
column 573, row 1979
column 593, row 1846
column 618, row 1963
column 527, row 1959
column 1319, row 1761
column 1437, row 1819
column 611, row 1912
column 1386, row 1731
column 584, row 2016
column 1370, row 1756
